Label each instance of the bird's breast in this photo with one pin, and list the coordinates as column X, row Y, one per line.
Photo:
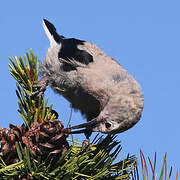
column 83, row 100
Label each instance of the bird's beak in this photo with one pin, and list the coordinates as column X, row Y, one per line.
column 91, row 125
column 99, row 128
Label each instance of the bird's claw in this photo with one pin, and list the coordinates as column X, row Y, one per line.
column 41, row 87
column 86, row 131
column 85, row 144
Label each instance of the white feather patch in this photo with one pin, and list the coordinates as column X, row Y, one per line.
column 49, row 35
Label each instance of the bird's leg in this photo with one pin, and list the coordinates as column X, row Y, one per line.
column 41, row 87
column 88, row 128
column 86, row 142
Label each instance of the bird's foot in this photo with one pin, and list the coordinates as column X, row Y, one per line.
column 85, row 144
column 40, row 86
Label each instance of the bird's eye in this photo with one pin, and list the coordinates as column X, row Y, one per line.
column 108, row 125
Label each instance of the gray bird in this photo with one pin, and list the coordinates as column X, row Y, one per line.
column 94, row 83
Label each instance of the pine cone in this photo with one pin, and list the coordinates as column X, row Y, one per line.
column 43, row 139
column 8, row 139
column 46, row 138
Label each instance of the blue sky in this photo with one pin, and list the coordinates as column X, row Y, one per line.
column 144, row 36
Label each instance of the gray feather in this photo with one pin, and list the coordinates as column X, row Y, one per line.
column 93, row 83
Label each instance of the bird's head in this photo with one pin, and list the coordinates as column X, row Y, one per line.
column 122, row 113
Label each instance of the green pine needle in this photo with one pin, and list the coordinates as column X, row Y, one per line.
column 94, row 163
column 26, row 73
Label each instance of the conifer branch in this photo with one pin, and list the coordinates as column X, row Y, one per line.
column 26, row 73
column 32, row 148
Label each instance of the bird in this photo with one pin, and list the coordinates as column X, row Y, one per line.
column 94, row 83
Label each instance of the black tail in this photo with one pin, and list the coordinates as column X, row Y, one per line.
column 52, row 30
